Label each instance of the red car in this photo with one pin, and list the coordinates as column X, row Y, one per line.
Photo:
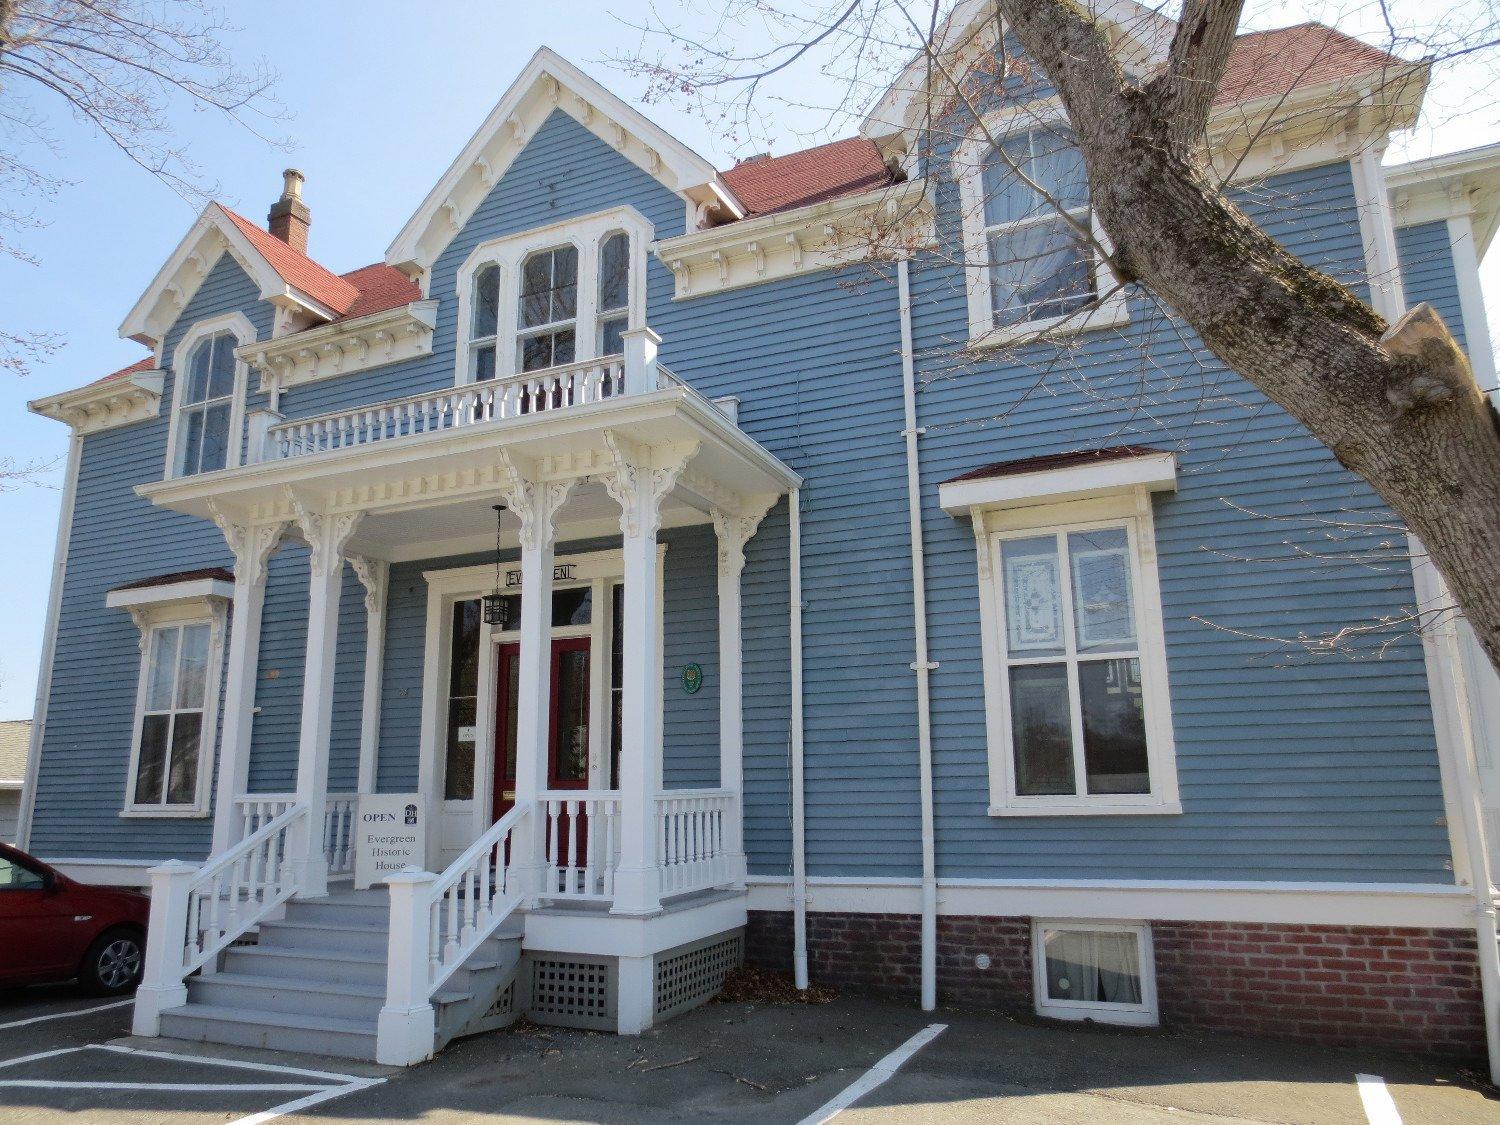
column 53, row 929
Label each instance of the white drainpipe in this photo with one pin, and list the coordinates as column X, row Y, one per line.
column 922, row 666
column 799, row 850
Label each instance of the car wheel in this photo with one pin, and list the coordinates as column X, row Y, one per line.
column 113, row 963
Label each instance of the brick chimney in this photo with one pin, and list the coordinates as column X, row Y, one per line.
column 289, row 217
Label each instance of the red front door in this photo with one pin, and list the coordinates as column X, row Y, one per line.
column 568, row 726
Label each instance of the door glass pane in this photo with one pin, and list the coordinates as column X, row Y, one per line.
column 192, row 679
column 1114, row 726
column 1033, row 597
column 182, row 777
column 463, row 675
column 1102, row 611
column 1042, row 729
column 458, row 769
column 616, row 680
column 153, row 760
column 1093, row 967
column 463, row 692
column 508, row 727
column 572, row 607
column 572, row 735
column 163, row 669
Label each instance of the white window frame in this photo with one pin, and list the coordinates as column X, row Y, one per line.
column 968, row 171
column 1131, row 510
column 587, row 234
column 238, row 325
column 151, row 618
column 1145, row 1014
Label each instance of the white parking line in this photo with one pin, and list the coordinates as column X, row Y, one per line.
column 874, row 1077
column 1380, row 1107
column 66, row 1015
column 311, row 1100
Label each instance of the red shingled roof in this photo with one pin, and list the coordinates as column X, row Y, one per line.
column 1267, row 63
column 147, row 364
column 297, row 270
column 380, row 287
column 779, row 183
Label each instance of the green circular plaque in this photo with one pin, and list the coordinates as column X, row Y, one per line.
column 692, row 678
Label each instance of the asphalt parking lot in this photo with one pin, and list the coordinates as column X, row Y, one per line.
column 66, row 1058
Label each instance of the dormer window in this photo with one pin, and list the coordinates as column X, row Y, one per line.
column 547, row 335
column 1030, row 244
column 208, row 397
column 553, row 297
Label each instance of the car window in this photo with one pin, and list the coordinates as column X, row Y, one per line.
column 17, row 877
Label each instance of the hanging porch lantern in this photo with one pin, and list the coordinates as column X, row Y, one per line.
column 494, row 605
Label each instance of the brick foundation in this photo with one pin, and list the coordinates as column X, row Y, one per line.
column 1400, row 989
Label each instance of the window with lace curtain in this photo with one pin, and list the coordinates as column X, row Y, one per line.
column 1094, row 971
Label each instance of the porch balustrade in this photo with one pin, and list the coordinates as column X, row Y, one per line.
column 692, row 840
column 257, row 809
column 555, row 388
column 583, row 844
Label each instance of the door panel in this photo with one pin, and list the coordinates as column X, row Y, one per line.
column 36, row 925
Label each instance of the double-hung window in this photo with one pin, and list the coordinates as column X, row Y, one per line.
column 1035, row 191
column 484, row 331
column 172, row 736
column 205, row 405
column 548, row 309
column 614, row 293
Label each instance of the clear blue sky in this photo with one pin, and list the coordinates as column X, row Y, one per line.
column 383, row 95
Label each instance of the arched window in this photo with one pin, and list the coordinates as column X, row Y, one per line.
column 205, row 402
column 483, row 331
column 1040, row 267
column 547, row 327
column 614, row 292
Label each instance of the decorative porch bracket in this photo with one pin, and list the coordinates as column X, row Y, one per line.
column 640, row 478
column 252, row 546
column 327, row 534
column 375, row 576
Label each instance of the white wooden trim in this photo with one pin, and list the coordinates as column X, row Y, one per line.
column 585, row 234
column 105, row 405
column 179, row 615
column 27, row 810
column 157, row 598
column 106, row 872
column 1481, row 347
column 1378, row 232
column 238, row 325
column 1131, row 510
column 1435, row 905
column 967, row 170
column 1141, row 1015
column 1155, row 472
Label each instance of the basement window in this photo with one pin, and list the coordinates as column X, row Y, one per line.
column 1094, row 971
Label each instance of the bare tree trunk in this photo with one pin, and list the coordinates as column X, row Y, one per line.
column 1399, row 407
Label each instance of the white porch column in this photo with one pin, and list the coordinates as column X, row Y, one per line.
column 326, row 536
column 252, row 547
column 536, row 504
column 374, row 575
column 640, row 486
column 640, row 360
column 733, row 532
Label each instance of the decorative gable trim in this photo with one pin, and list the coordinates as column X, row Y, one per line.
column 889, row 222
column 344, row 347
column 209, row 239
column 107, row 404
column 549, row 82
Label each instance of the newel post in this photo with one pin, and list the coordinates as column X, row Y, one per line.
column 407, row 1027
column 162, row 985
column 640, row 360
column 258, row 425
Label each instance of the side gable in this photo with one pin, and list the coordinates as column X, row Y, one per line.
column 549, row 83
column 289, row 280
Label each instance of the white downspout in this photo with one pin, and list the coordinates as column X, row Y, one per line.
column 799, row 850
column 49, row 642
column 922, row 666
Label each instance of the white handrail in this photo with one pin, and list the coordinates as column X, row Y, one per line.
column 239, row 887
column 469, row 900
column 256, row 809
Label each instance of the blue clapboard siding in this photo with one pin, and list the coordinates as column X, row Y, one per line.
column 1289, row 767
column 1427, row 271
column 117, row 538
column 690, row 754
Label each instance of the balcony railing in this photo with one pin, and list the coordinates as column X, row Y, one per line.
column 555, row 388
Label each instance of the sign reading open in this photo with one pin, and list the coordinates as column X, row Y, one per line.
column 390, row 831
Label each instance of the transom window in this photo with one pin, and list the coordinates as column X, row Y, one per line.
column 548, row 309
column 170, row 736
column 205, row 404
column 1040, row 267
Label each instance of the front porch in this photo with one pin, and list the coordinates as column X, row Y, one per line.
column 545, row 816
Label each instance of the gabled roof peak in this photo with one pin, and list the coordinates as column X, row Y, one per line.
column 548, row 83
